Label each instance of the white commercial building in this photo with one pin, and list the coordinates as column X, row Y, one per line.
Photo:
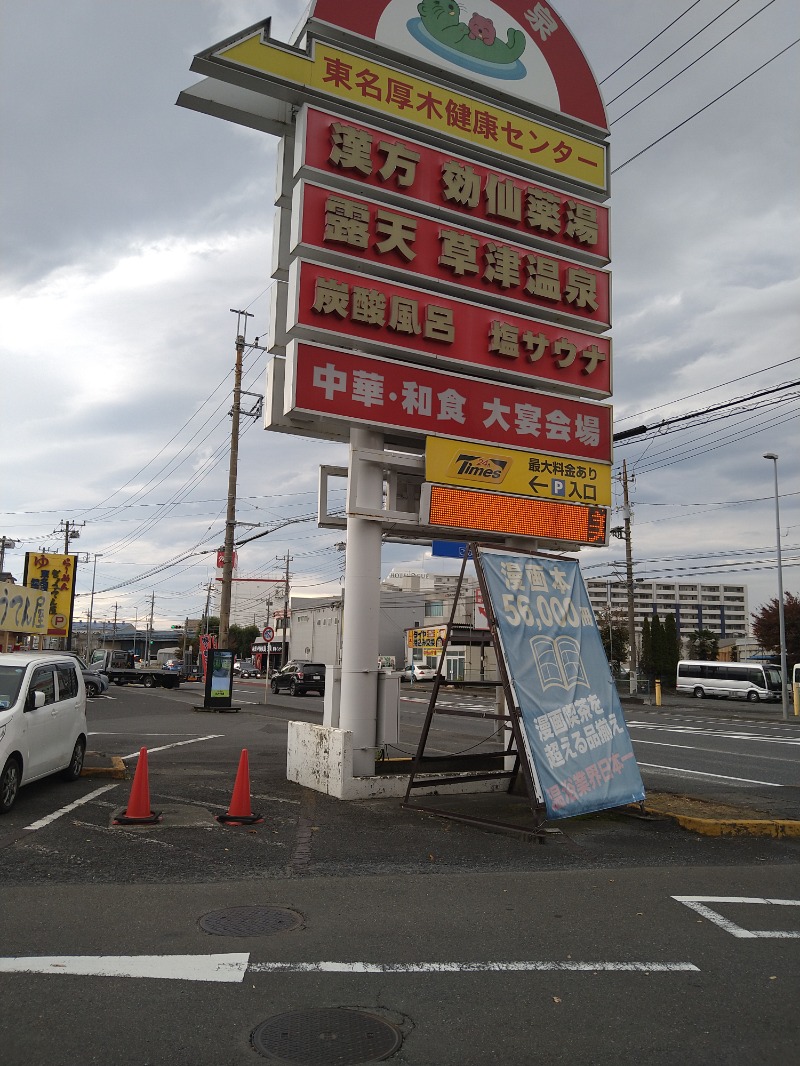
column 721, row 609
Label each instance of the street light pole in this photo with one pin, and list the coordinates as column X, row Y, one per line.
column 91, row 611
column 781, row 617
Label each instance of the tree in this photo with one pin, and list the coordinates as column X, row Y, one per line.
column 703, row 645
column 614, row 635
column 672, row 651
column 646, row 655
column 241, row 640
column 766, row 627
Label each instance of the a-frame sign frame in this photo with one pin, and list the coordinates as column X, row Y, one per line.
column 465, row 768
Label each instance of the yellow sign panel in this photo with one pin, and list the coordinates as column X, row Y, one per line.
column 547, row 477
column 55, row 576
column 368, row 84
column 429, row 639
column 22, row 610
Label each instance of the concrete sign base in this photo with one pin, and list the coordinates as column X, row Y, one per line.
column 321, row 757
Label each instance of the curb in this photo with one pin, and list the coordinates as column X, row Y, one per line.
column 776, row 828
column 116, row 770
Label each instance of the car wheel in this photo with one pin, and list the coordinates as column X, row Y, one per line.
column 274, row 686
column 752, row 697
column 9, row 784
column 148, row 682
column 293, row 689
column 92, row 689
column 699, row 693
column 73, row 771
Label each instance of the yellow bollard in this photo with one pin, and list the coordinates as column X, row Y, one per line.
column 658, row 692
column 796, row 700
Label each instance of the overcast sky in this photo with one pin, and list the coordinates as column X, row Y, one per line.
column 131, row 226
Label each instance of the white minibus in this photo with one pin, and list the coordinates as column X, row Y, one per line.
column 748, row 681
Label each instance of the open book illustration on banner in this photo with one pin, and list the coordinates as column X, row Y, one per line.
column 558, row 661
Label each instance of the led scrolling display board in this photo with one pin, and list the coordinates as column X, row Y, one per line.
column 492, row 512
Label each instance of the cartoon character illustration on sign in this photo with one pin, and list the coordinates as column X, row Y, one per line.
column 475, row 46
column 483, row 28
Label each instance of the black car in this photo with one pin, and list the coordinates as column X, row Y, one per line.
column 300, row 678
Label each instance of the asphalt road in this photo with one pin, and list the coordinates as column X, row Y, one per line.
column 619, row 938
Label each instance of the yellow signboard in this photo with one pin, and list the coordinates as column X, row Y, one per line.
column 22, row 610
column 547, row 477
column 430, row 639
column 337, row 73
column 55, row 576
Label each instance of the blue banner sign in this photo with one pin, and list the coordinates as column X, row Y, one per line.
column 450, row 549
column 578, row 745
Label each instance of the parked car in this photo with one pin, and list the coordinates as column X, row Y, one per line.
column 417, row 672
column 245, row 668
column 42, row 720
column 300, row 678
column 173, row 666
column 94, row 679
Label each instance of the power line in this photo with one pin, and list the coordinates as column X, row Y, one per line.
column 674, row 77
column 651, row 41
column 705, row 107
column 661, row 62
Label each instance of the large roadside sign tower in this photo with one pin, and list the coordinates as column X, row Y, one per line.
column 441, row 297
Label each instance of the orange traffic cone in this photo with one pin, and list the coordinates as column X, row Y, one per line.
column 240, row 811
column 138, row 811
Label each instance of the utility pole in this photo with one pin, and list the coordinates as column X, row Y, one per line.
column 91, row 610
column 149, row 629
column 230, row 518
column 70, row 533
column 629, row 574
column 114, row 630
column 5, row 542
column 285, row 647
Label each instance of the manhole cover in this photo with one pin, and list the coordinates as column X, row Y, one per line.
column 250, row 921
column 335, row 1036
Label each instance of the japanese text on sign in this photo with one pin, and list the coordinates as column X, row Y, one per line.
column 429, row 176
column 418, row 399
column 570, row 711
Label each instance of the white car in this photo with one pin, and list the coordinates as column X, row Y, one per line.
column 42, row 720
column 416, row 672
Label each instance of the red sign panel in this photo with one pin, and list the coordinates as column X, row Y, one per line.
column 404, row 167
column 390, row 241
column 419, row 400
column 384, row 315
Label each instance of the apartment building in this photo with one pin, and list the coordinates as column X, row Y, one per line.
column 722, row 609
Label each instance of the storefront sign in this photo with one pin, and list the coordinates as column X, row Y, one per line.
column 383, row 315
column 440, row 181
column 420, row 401
column 23, row 610
column 336, row 73
column 413, row 248
column 522, row 473
column 55, row 576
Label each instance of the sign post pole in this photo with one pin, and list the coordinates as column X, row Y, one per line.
column 360, row 642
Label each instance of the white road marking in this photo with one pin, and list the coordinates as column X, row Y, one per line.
column 232, row 967
column 229, row 968
column 701, row 773
column 468, row 967
column 42, row 822
column 177, row 744
column 697, row 903
column 718, row 734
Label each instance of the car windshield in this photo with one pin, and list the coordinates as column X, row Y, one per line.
column 773, row 678
column 10, row 682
